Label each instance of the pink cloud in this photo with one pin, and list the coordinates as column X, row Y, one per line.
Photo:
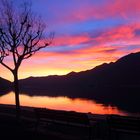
column 111, row 41
column 117, row 8
column 71, row 40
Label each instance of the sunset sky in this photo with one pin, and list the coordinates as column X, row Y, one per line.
column 87, row 33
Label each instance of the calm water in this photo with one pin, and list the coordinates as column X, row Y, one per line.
column 61, row 103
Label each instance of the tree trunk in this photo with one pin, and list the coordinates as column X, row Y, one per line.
column 16, row 88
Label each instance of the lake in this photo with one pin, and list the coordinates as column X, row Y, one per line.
column 62, row 103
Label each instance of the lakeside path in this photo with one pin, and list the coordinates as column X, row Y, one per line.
column 10, row 129
column 26, row 129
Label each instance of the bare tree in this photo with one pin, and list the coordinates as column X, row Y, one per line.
column 20, row 36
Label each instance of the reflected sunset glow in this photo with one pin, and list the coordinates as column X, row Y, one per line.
column 61, row 103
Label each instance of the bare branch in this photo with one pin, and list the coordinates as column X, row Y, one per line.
column 20, row 33
column 6, row 66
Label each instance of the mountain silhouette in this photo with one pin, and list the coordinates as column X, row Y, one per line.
column 123, row 73
column 116, row 83
column 5, row 86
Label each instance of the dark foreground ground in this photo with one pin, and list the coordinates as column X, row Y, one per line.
column 26, row 128
column 10, row 128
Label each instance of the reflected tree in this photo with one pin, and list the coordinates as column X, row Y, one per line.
column 21, row 36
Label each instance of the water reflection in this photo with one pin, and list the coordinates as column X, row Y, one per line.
column 61, row 103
